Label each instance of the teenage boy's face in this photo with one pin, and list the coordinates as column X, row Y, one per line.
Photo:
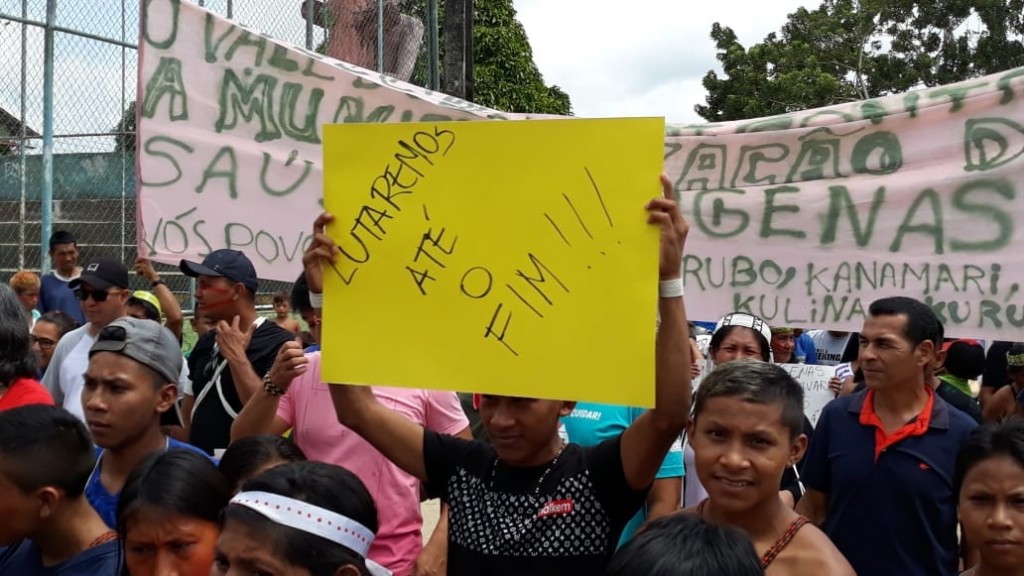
column 121, row 401
column 19, row 510
column 741, row 450
column 521, row 429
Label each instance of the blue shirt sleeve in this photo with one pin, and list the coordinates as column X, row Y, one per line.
column 672, row 465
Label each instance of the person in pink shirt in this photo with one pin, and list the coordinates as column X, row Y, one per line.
column 294, row 398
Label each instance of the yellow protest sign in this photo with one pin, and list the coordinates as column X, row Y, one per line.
column 507, row 258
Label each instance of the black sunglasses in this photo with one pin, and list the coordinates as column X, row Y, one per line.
column 96, row 295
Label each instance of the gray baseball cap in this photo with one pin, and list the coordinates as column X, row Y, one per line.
column 145, row 341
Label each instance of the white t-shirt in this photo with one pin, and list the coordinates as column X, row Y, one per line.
column 65, row 375
column 829, row 348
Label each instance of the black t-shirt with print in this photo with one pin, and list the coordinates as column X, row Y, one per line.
column 211, row 423
column 500, row 523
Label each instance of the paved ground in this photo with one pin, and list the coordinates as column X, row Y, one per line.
column 431, row 509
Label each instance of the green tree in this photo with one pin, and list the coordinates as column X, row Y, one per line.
column 504, row 74
column 858, row 49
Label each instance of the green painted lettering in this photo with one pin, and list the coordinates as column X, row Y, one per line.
column 932, row 228
column 839, row 202
column 230, row 172
column 254, row 100
column 166, row 80
column 991, row 211
column 770, row 209
column 713, row 224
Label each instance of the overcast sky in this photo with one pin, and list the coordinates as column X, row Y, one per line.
column 641, row 57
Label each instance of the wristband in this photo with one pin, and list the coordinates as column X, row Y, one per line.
column 157, row 282
column 670, row 288
column 269, row 387
column 316, row 300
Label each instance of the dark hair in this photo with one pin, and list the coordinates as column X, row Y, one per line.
column 300, row 295
column 758, row 383
column 62, row 237
column 61, row 320
column 282, row 297
column 325, row 485
column 965, row 360
column 148, row 310
column 720, row 335
column 1017, row 349
column 686, row 545
column 246, row 456
column 43, row 445
column 16, row 357
column 989, row 441
column 922, row 324
column 178, row 481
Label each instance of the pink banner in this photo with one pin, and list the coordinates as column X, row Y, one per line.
column 803, row 219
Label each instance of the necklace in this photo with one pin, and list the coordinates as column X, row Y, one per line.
column 540, row 481
column 513, row 524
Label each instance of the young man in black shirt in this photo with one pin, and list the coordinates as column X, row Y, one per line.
column 526, row 503
column 227, row 365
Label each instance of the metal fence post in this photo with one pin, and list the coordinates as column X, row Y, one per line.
column 380, row 36
column 433, row 48
column 24, row 133
column 309, row 24
column 46, row 196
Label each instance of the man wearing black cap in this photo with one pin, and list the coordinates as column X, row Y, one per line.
column 102, row 289
column 227, row 363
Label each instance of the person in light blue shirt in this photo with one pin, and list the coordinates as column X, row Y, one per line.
column 589, row 424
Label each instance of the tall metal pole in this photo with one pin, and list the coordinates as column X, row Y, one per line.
column 455, row 48
column 309, row 24
column 46, row 199
column 231, row 10
column 468, row 57
column 433, row 47
column 24, row 133
column 380, row 36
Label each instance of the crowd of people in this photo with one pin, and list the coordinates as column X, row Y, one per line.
column 122, row 454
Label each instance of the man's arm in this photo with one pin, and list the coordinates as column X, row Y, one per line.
column 259, row 415
column 995, row 409
column 663, row 499
column 187, row 404
column 173, row 318
column 393, row 435
column 648, row 439
column 813, row 505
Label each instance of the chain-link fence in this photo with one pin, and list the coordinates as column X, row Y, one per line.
column 67, row 114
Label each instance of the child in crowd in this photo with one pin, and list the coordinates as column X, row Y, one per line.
column 989, row 482
column 130, row 382
column 299, row 518
column 685, row 545
column 283, row 313
column 48, row 525
column 168, row 514
column 254, row 455
column 747, row 428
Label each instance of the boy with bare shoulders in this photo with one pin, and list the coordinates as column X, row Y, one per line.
column 747, row 428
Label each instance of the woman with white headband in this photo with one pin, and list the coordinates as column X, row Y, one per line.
column 299, row 519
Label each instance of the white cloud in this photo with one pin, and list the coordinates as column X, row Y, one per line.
column 643, row 57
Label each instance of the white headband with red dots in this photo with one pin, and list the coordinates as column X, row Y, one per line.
column 310, row 519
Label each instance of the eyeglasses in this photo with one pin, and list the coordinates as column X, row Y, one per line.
column 96, row 295
column 44, row 343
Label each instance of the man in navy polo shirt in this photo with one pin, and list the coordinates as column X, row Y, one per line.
column 879, row 470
